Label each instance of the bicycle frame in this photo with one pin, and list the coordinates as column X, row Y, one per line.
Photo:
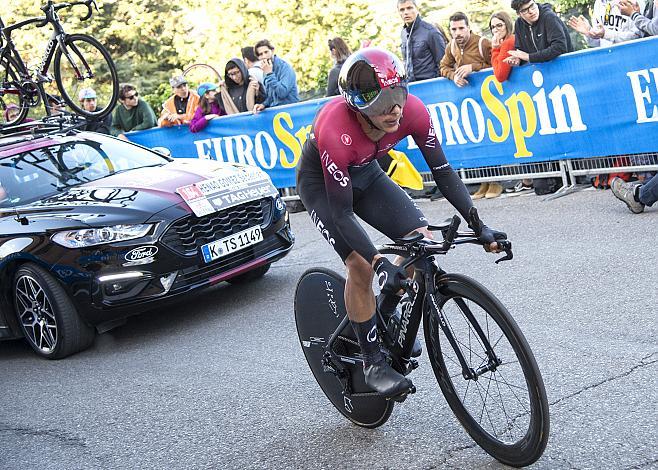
column 423, row 293
column 58, row 38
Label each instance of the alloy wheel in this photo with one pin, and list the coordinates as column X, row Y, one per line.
column 36, row 314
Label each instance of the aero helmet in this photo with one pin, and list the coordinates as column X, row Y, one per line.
column 373, row 81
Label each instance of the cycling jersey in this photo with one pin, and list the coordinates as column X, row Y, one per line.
column 337, row 149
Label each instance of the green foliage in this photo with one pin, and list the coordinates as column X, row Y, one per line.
column 150, row 40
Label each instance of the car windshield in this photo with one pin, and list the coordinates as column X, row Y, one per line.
column 35, row 174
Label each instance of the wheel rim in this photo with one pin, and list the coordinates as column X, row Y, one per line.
column 499, row 401
column 36, row 314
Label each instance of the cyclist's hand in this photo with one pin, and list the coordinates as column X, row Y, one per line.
column 488, row 238
column 486, row 235
column 389, row 276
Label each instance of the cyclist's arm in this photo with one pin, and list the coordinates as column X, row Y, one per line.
column 447, row 180
column 339, row 195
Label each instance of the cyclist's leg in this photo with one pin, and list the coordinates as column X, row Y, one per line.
column 359, row 297
column 388, row 208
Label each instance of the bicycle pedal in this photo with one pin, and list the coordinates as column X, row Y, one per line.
column 403, row 396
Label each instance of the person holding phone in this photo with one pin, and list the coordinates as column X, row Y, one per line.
column 280, row 79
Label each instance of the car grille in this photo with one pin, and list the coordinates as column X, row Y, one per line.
column 187, row 235
column 199, row 273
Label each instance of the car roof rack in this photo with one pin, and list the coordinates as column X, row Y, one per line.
column 64, row 123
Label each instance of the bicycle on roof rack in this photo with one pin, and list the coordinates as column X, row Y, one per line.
column 480, row 358
column 79, row 62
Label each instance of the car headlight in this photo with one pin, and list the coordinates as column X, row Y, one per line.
column 100, row 235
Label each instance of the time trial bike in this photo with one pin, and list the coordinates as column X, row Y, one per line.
column 479, row 356
column 79, row 62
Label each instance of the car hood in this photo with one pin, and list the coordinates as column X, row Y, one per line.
column 129, row 197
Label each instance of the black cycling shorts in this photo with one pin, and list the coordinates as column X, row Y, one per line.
column 377, row 200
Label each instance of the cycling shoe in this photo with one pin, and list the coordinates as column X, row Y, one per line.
column 382, row 378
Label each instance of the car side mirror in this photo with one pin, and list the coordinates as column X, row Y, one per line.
column 164, row 151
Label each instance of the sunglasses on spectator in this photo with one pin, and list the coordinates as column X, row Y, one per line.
column 526, row 10
column 131, row 96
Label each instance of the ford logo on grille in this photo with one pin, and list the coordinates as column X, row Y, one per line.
column 141, row 253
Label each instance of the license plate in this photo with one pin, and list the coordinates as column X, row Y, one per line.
column 227, row 245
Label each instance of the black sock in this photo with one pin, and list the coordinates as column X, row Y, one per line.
column 386, row 304
column 636, row 193
column 366, row 334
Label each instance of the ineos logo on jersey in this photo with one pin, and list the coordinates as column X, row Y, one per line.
column 334, row 171
column 346, row 139
column 372, row 334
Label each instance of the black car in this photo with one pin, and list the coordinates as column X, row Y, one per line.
column 94, row 229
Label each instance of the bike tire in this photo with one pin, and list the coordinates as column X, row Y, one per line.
column 498, row 437
column 319, row 310
column 99, row 73
column 10, row 91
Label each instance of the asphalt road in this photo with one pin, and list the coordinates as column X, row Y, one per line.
column 220, row 380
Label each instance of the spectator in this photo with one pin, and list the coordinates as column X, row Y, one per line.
column 253, row 64
column 208, row 108
column 180, row 107
column 133, row 114
column 609, row 25
column 339, row 52
column 421, row 43
column 56, row 104
column 500, row 26
column 466, row 52
column 87, row 98
column 540, row 35
column 240, row 92
column 646, row 23
column 280, row 79
column 636, row 195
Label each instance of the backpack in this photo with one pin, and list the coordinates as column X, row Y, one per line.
column 544, row 186
column 604, row 180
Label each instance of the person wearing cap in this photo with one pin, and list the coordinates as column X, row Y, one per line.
column 208, row 107
column 134, row 114
column 87, row 98
column 180, row 107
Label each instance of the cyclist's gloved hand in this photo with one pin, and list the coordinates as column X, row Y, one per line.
column 389, row 276
column 487, row 236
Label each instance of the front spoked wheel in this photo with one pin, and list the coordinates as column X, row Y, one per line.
column 499, row 397
column 85, row 63
column 319, row 311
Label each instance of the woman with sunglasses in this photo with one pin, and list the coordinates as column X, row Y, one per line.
column 339, row 54
column 338, row 178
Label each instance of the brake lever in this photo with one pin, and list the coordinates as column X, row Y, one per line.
column 506, row 246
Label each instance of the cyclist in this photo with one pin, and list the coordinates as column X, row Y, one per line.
column 338, row 177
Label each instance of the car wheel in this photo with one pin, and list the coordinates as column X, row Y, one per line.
column 47, row 316
column 252, row 275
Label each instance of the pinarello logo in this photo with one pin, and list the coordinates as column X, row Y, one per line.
column 346, row 139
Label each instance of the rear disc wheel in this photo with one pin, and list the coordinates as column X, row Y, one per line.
column 319, row 310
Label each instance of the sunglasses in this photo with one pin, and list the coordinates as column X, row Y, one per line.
column 131, row 96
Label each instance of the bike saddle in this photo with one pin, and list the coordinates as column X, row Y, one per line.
column 413, row 237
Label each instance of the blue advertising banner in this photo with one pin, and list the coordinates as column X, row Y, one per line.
column 590, row 103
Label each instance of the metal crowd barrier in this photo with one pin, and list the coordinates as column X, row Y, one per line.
column 567, row 170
